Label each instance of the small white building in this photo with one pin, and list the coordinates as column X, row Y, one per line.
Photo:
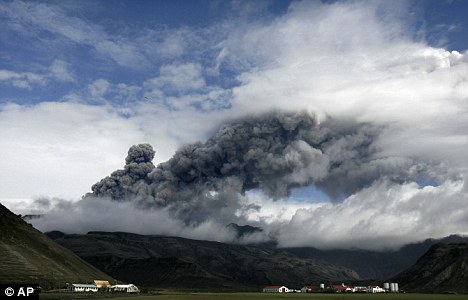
column 375, row 289
column 275, row 289
column 125, row 288
column 360, row 289
column 77, row 287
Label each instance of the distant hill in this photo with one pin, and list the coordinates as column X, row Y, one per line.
column 28, row 256
column 444, row 268
column 161, row 261
column 374, row 264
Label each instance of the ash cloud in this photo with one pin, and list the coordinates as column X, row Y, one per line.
column 131, row 181
column 272, row 152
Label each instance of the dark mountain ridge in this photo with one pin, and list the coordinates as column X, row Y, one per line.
column 153, row 260
column 444, row 268
column 374, row 264
column 163, row 261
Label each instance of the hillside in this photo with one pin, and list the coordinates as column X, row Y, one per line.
column 178, row 262
column 444, row 268
column 28, row 256
column 374, row 264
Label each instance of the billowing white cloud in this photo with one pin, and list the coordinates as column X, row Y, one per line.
column 343, row 60
column 383, row 216
column 106, row 215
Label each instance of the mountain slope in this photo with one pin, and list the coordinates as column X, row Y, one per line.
column 28, row 256
column 374, row 264
column 126, row 255
column 444, row 268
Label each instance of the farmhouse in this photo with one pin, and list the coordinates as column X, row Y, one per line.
column 338, row 288
column 375, row 289
column 309, row 289
column 342, row 288
column 360, row 289
column 76, row 287
column 125, row 288
column 103, row 285
column 275, row 289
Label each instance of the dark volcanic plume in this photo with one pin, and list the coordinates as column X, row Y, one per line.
column 273, row 152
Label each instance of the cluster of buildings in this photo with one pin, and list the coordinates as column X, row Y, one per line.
column 103, row 286
column 387, row 288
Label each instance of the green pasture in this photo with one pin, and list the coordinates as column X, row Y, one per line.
column 254, row 296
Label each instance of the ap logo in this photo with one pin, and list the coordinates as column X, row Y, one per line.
column 18, row 290
column 9, row 291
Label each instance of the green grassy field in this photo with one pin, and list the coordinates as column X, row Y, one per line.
column 255, row 296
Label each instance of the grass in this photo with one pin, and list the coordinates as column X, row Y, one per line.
column 253, row 296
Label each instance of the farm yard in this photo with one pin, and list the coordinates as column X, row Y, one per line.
column 253, row 296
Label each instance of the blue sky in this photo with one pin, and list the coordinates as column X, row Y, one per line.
column 122, row 41
column 82, row 81
column 58, row 48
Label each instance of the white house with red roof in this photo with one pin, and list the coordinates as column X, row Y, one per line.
column 275, row 289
